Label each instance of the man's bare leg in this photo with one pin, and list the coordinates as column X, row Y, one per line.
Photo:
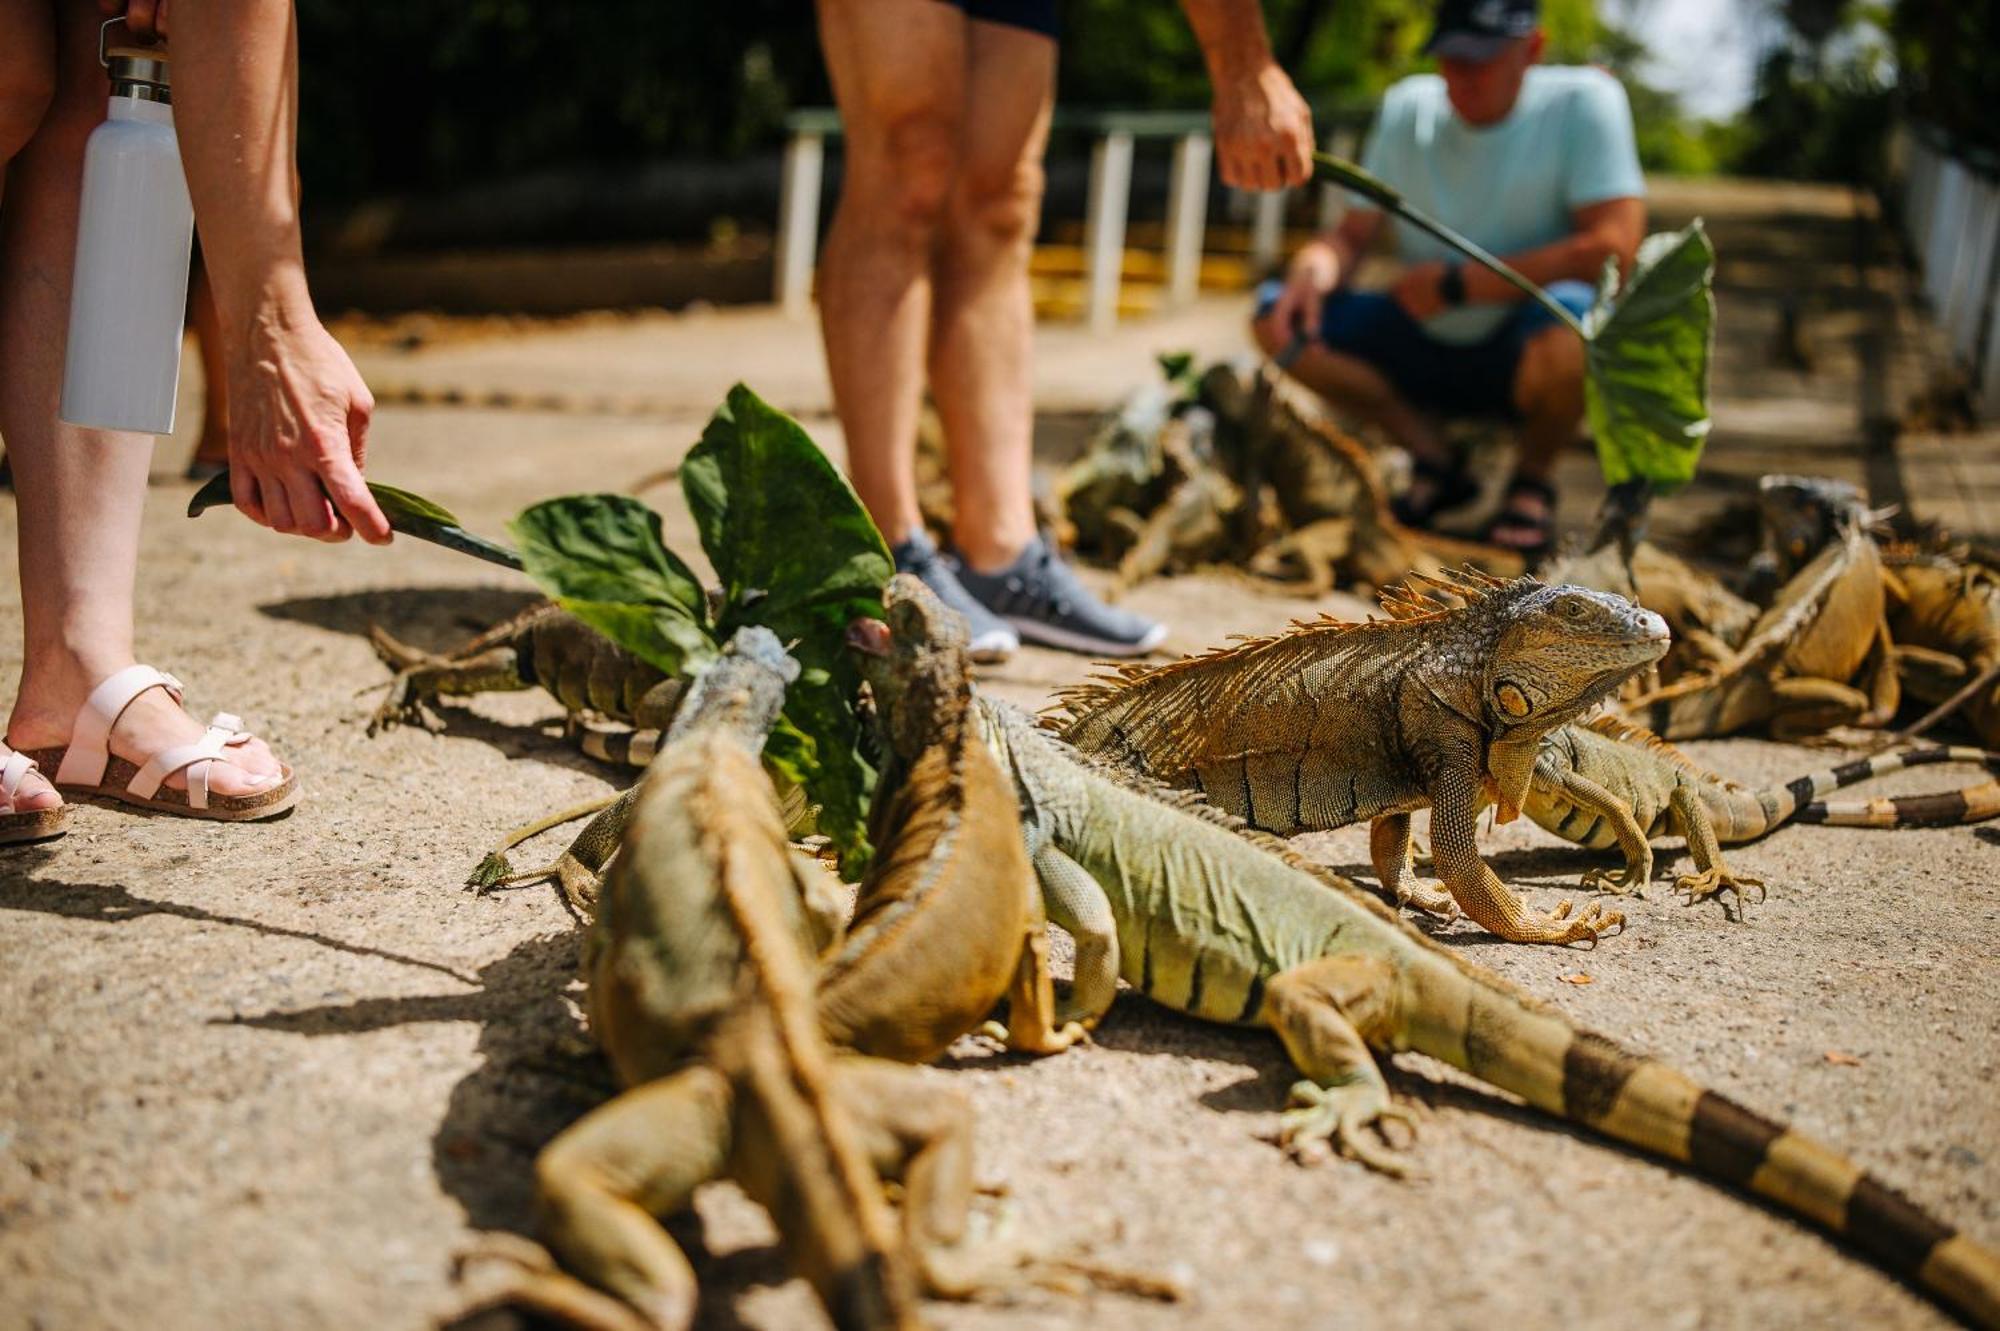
column 1548, row 392
column 81, row 491
column 981, row 351
column 898, row 74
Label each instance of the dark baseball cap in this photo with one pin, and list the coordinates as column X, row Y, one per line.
column 1478, row 30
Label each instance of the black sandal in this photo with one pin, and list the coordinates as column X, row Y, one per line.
column 1511, row 515
column 1450, row 488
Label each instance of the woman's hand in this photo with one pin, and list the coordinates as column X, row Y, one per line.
column 298, row 431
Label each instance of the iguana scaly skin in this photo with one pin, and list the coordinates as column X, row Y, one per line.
column 1793, row 672
column 543, row 645
column 700, row 968
column 949, row 918
column 1331, row 723
column 1944, row 614
column 1610, row 783
column 1230, row 926
column 1707, row 620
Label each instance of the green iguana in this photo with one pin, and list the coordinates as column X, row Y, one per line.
column 948, row 919
column 1225, row 924
column 1610, row 783
column 543, row 645
column 1794, row 672
column 1331, row 723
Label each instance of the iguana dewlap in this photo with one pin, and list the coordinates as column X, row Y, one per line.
column 1332, row 723
column 1226, row 924
column 1609, row 783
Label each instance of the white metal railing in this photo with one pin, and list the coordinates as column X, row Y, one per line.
column 1950, row 211
column 1115, row 134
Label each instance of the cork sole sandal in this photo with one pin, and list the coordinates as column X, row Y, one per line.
column 19, row 825
column 86, row 767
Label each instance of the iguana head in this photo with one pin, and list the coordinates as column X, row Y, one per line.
column 915, row 664
column 1559, row 651
column 1801, row 514
column 742, row 690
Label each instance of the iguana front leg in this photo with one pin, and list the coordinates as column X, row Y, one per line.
column 1033, row 1026
column 1319, row 1011
column 1389, row 850
column 1712, row 876
column 1478, row 890
column 1078, row 904
column 421, row 677
column 1581, row 791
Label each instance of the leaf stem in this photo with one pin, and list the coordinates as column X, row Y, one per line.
column 1352, row 178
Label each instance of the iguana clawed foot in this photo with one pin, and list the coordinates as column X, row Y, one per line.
column 403, row 705
column 1558, row 926
column 513, row 1272
column 1695, row 887
column 1054, row 1041
column 1432, row 901
column 1627, row 881
column 1339, row 1116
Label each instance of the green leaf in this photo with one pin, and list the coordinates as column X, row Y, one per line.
column 602, row 558
column 1648, row 347
column 410, row 514
column 797, row 553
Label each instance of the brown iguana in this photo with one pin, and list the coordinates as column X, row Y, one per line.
column 948, row 918
column 700, row 973
column 1331, row 723
column 543, row 645
column 1792, row 672
column 1229, row 925
column 1610, row 783
column 1944, row 614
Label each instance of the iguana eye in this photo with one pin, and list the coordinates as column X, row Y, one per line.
column 1512, row 701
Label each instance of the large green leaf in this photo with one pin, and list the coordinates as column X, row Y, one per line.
column 411, row 514
column 1648, row 346
column 601, row 557
column 798, row 553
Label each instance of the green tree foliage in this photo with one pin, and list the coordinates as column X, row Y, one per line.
column 1945, row 52
column 1823, row 99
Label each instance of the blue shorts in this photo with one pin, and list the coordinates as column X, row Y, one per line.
column 1030, row 15
column 1453, row 378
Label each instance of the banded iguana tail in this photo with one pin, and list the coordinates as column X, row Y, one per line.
column 1229, row 925
column 700, row 971
column 1610, row 783
column 544, row 644
column 948, row 919
column 1331, row 723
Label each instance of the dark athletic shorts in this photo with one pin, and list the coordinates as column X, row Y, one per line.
column 1033, row 15
column 1457, row 379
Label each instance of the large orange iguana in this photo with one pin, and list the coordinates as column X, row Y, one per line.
column 1331, row 723
column 1609, row 783
column 1945, row 615
column 1795, row 673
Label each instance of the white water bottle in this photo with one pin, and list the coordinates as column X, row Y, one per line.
column 133, row 238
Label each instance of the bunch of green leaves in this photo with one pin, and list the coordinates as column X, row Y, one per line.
column 796, row 553
column 1647, row 340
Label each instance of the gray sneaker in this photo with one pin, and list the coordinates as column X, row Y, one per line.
column 992, row 640
column 1041, row 596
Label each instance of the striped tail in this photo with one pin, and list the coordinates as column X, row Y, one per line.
column 1800, row 800
column 1479, row 1024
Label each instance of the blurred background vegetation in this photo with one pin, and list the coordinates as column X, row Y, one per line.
column 414, row 99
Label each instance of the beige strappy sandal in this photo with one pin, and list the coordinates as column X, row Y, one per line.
column 18, row 825
column 87, row 767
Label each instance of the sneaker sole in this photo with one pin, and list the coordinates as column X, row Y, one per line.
column 1048, row 635
column 993, row 646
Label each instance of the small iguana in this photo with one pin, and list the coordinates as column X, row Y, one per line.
column 1610, row 783
column 949, row 918
column 1228, row 925
column 543, row 645
column 1331, row 723
column 1795, row 672
column 700, row 965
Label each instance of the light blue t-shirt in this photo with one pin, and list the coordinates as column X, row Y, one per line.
column 1509, row 186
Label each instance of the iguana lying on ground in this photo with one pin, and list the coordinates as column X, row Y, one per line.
column 1609, row 783
column 1229, row 925
column 1331, row 723
column 1795, row 673
column 1944, row 614
column 700, row 972
column 949, row 917
column 543, row 645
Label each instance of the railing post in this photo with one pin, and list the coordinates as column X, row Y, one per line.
column 1104, row 227
column 1187, row 215
column 798, row 222
column 1267, row 229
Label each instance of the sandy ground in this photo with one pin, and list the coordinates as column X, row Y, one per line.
column 275, row 1076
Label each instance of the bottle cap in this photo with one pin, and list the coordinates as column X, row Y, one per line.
column 144, row 72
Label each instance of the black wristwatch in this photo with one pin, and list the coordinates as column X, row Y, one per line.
column 1451, row 287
